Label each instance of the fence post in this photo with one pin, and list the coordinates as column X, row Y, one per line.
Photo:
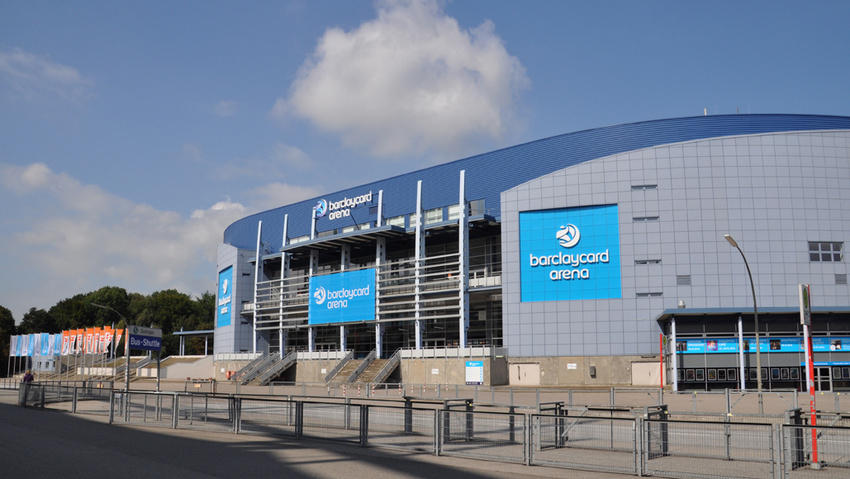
column 527, row 446
column 111, row 405
column 74, row 402
column 364, row 424
column 236, row 406
column 175, row 406
column 299, row 419
column 408, row 415
column 796, row 449
column 438, row 429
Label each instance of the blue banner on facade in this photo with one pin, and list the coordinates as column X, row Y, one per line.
column 570, row 254
column 773, row 345
column 342, row 297
column 224, row 311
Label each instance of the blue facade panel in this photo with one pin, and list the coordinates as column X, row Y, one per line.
column 537, row 158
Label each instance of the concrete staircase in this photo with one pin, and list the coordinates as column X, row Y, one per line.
column 368, row 375
column 349, row 368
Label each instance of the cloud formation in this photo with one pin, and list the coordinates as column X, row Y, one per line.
column 82, row 237
column 409, row 82
column 33, row 77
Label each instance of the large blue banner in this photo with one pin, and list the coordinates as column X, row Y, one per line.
column 342, row 297
column 570, row 253
column 224, row 311
column 774, row 345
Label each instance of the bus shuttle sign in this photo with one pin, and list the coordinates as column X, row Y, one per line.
column 149, row 339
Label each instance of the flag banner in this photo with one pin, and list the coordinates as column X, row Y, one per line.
column 79, row 348
column 30, row 344
column 57, row 344
column 66, row 343
column 118, row 334
column 45, row 344
column 13, row 345
column 96, row 341
column 108, row 334
column 35, row 344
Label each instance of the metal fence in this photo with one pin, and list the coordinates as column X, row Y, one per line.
column 639, row 441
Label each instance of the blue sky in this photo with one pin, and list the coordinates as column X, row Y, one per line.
column 133, row 133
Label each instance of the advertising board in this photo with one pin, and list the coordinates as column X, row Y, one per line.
column 570, row 254
column 342, row 297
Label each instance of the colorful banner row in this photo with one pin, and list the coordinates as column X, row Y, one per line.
column 773, row 345
column 74, row 341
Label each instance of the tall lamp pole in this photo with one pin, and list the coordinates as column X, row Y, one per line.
column 126, row 345
column 755, row 310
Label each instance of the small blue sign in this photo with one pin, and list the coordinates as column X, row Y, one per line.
column 342, row 297
column 224, row 310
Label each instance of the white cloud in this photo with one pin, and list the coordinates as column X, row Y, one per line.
column 409, row 82
column 225, row 108
column 33, row 77
column 85, row 238
column 274, row 195
column 279, row 162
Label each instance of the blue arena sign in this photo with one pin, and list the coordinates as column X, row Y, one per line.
column 342, row 297
column 570, row 253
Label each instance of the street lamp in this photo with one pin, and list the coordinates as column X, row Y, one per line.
column 127, row 350
column 755, row 309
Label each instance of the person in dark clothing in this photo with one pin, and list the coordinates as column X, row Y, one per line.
column 28, row 377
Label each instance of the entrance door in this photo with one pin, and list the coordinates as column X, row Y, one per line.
column 823, row 380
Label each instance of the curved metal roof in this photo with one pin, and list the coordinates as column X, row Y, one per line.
column 489, row 174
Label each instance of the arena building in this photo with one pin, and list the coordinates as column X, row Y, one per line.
column 589, row 258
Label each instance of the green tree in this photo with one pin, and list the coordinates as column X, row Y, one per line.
column 37, row 321
column 7, row 329
column 170, row 311
column 72, row 313
column 112, row 298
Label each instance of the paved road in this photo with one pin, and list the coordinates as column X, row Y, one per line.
column 53, row 443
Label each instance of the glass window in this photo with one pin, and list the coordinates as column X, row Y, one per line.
column 826, row 252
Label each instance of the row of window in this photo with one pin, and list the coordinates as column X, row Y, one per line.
column 731, row 374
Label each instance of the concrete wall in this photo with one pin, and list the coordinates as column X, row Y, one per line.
column 451, row 371
column 576, row 370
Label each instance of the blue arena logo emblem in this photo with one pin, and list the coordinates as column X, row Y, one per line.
column 568, row 235
column 320, row 294
column 321, row 208
column 224, row 287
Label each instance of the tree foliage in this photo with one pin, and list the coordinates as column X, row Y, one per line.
column 168, row 310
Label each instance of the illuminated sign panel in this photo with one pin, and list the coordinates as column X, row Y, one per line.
column 570, row 253
column 225, row 298
column 342, row 297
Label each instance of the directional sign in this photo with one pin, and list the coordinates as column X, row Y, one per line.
column 149, row 339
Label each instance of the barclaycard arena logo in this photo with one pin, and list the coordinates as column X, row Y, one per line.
column 340, row 209
column 339, row 298
column 568, row 236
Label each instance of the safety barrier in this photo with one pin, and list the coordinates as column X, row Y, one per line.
column 645, row 444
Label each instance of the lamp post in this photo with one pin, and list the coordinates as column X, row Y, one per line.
column 755, row 309
column 126, row 345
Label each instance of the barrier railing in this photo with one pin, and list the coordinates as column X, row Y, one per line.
column 644, row 444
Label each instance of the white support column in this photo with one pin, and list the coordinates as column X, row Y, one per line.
column 379, row 220
column 314, row 268
column 463, row 260
column 343, row 334
column 675, row 354
column 380, row 259
column 284, row 273
column 379, row 335
column 257, row 271
column 419, row 253
column 743, row 373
